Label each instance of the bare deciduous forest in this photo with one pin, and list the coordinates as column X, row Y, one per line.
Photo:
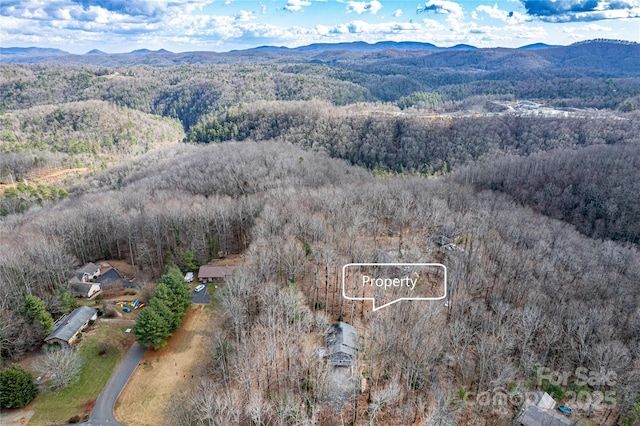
column 313, row 174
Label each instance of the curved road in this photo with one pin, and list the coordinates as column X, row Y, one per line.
column 102, row 414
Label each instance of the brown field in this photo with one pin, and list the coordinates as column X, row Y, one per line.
column 47, row 177
column 163, row 373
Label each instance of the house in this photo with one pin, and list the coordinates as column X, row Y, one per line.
column 538, row 410
column 208, row 274
column 80, row 283
column 112, row 277
column 87, row 272
column 66, row 329
column 82, row 289
column 343, row 344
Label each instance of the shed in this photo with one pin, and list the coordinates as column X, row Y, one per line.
column 66, row 329
column 208, row 274
column 343, row 344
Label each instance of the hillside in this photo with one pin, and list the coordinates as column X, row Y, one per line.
column 85, row 127
column 299, row 215
column 77, row 134
column 414, row 139
column 189, row 85
column 514, row 168
column 595, row 188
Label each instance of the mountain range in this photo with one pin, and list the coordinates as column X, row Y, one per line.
column 610, row 57
column 39, row 54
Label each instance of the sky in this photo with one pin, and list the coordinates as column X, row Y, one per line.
column 113, row 26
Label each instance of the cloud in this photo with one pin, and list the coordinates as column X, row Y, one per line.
column 445, row 7
column 397, row 13
column 433, row 25
column 497, row 13
column 595, row 27
column 528, row 32
column 133, row 7
column 296, row 5
column 581, row 10
column 361, row 7
column 244, row 16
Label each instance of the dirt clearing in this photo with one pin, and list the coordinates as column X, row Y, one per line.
column 161, row 374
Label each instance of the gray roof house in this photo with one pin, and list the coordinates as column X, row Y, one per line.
column 538, row 410
column 87, row 272
column 82, row 289
column 66, row 329
column 343, row 344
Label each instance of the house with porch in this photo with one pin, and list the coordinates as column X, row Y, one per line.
column 66, row 329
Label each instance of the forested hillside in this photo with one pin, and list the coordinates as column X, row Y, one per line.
column 411, row 140
column 524, row 162
column 526, row 290
column 85, row 127
column 596, row 188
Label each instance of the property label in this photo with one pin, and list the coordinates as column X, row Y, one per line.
column 387, row 283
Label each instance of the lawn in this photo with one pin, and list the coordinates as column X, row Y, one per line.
column 212, row 290
column 59, row 407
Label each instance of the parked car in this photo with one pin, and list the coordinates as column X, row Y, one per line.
column 199, row 288
column 189, row 277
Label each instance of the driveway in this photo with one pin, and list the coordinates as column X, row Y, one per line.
column 201, row 296
column 102, row 414
column 112, row 276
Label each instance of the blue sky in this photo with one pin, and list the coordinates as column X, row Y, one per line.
column 221, row 25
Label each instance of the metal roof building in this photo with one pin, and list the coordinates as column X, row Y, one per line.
column 343, row 344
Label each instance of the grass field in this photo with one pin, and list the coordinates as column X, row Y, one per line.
column 59, row 407
column 164, row 373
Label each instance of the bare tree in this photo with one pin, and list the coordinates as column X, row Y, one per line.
column 381, row 398
column 60, row 368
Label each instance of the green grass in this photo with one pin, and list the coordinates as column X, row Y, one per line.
column 57, row 407
column 212, row 290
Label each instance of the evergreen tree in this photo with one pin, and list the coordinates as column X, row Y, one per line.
column 151, row 330
column 67, row 302
column 189, row 261
column 16, row 387
column 161, row 302
column 180, row 290
column 36, row 310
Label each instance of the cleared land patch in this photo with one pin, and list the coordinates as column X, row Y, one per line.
column 163, row 373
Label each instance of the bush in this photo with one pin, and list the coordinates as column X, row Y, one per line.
column 89, row 405
column 555, row 391
column 104, row 348
column 74, row 419
column 110, row 312
column 17, row 387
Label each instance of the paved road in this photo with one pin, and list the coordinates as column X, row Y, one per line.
column 102, row 414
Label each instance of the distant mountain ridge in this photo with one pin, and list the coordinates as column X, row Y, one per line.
column 356, row 46
column 31, row 51
column 538, row 46
column 612, row 57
